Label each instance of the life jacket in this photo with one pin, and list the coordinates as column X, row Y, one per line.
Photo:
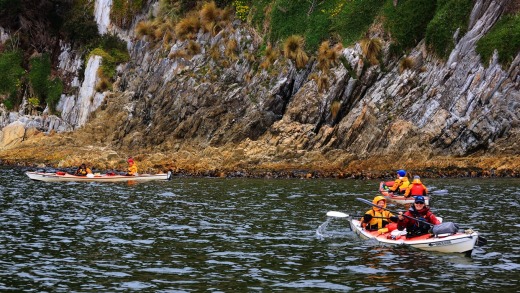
column 419, row 228
column 379, row 216
column 400, row 185
column 417, row 189
column 81, row 172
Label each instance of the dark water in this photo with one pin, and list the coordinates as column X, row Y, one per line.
column 241, row 235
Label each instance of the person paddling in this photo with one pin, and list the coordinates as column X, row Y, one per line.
column 416, row 188
column 418, row 211
column 377, row 218
column 132, row 168
column 82, row 170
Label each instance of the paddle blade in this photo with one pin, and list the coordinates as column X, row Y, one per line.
column 481, row 241
column 336, row 214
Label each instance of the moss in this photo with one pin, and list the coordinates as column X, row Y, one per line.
column 504, row 37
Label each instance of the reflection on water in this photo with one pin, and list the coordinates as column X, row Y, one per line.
column 240, row 235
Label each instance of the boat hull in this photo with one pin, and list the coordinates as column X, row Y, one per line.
column 53, row 177
column 454, row 243
column 399, row 199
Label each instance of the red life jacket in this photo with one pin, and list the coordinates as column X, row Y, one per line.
column 417, row 189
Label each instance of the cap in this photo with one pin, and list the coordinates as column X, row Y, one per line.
column 401, row 173
column 419, row 199
column 130, row 160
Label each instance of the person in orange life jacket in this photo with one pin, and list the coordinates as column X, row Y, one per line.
column 417, row 211
column 416, row 188
column 82, row 170
column 401, row 183
column 377, row 218
column 132, row 168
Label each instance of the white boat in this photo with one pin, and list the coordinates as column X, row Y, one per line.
column 62, row 176
column 459, row 242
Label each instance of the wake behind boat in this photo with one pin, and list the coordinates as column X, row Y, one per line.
column 63, row 176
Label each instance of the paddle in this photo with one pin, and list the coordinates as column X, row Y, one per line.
column 370, row 203
column 343, row 215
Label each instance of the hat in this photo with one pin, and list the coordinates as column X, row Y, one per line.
column 419, row 199
column 416, row 179
column 401, row 173
column 130, row 160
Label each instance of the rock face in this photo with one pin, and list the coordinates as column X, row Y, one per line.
column 202, row 112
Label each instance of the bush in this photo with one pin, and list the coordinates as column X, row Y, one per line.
column 407, row 22
column 12, row 72
column 124, row 11
column 80, row 26
column 450, row 16
column 54, row 91
column 40, row 70
column 504, row 37
column 354, row 18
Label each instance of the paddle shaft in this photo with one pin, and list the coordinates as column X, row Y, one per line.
column 374, row 205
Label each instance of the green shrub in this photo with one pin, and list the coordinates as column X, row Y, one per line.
column 354, row 18
column 40, row 70
column 79, row 25
column 407, row 22
column 292, row 17
column 504, row 37
column 54, row 91
column 12, row 72
column 449, row 16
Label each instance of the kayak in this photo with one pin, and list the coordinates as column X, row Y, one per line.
column 400, row 199
column 462, row 242
column 63, row 176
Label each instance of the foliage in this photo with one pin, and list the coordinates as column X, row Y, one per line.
column 351, row 19
column 80, row 26
column 47, row 90
column 123, row 12
column 241, row 9
column 450, row 16
column 504, row 37
column 40, row 70
column 113, row 51
column 407, row 22
column 294, row 17
column 12, row 72
column 54, row 91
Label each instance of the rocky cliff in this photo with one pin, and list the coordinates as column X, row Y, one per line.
column 219, row 115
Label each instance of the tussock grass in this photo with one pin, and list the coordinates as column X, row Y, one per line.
column 294, row 50
column 371, row 49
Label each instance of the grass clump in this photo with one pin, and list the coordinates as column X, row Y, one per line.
column 503, row 37
column 293, row 49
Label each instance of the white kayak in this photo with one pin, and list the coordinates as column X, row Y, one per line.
column 62, row 176
column 459, row 242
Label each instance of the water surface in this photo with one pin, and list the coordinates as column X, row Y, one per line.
column 245, row 235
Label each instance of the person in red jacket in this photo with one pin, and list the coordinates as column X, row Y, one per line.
column 416, row 188
column 420, row 212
